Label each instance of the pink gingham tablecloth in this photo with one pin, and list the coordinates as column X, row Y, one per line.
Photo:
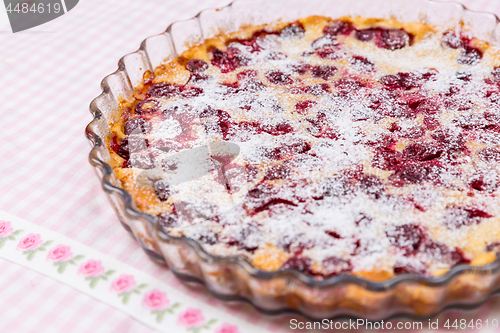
column 48, row 76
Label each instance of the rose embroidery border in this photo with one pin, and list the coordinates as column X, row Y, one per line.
column 154, row 301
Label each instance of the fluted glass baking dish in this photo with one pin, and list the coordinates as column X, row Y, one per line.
column 232, row 278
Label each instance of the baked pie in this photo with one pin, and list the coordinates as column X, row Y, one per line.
column 357, row 146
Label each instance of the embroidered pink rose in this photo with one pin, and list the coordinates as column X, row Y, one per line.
column 60, row 253
column 190, row 318
column 124, row 283
column 155, row 300
column 227, row 328
column 5, row 229
column 30, row 243
column 91, row 268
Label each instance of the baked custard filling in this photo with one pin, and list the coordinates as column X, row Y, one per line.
column 354, row 146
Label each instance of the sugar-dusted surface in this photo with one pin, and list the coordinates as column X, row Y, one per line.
column 363, row 148
column 42, row 139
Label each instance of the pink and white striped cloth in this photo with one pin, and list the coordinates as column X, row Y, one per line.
column 48, row 76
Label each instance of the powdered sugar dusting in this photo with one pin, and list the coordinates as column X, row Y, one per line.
column 357, row 151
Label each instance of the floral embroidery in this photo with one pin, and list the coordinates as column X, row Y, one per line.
column 31, row 244
column 158, row 302
column 125, row 286
column 227, row 328
column 193, row 319
column 7, row 233
column 93, row 271
column 62, row 256
column 154, row 301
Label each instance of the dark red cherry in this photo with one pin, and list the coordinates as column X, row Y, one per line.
column 487, row 182
column 167, row 221
column 278, row 77
column 277, row 172
column 208, row 237
column 383, row 142
column 162, row 189
column 365, row 35
column 393, row 39
column 407, row 268
column 493, row 247
column 443, row 253
column 452, row 140
column 228, row 61
column 190, row 91
column 496, row 73
column 451, row 40
column 329, row 53
column 317, row 89
column 333, row 234
column 300, row 68
column 252, row 85
column 334, row 265
column 303, row 107
column 196, row 65
column 240, row 238
column 431, row 122
column 427, row 106
column 411, row 132
column 372, row 186
column 324, row 42
column 337, row 28
column 293, row 30
column 295, row 244
column 281, row 128
column 324, row 71
column 131, row 144
column 492, row 117
column 458, row 217
column 470, row 56
column 387, row 159
column 197, row 78
column 330, row 133
column 391, row 81
column 298, row 147
column 163, row 90
column 422, row 151
column 362, row 64
column 464, row 76
column 415, row 174
column 298, row 263
column 137, row 126
column 401, row 80
column 147, row 106
column 406, row 236
column 337, row 186
column 347, row 86
column 210, row 112
column 489, row 155
column 241, row 245
column 471, row 122
column 247, row 74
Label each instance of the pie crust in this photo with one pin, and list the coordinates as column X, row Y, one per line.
column 362, row 150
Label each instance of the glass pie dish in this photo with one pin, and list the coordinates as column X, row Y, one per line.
column 233, row 278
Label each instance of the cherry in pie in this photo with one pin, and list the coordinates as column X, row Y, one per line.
column 353, row 146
